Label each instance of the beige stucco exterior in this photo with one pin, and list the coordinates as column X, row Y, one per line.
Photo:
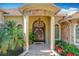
column 48, row 14
column 46, row 20
column 27, row 14
column 17, row 19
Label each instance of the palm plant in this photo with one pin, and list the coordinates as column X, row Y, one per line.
column 10, row 37
column 17, row 38
column 5, row 38
column 16, row 35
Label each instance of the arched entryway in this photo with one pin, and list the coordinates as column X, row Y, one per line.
column 32, row 13
column 39, row 29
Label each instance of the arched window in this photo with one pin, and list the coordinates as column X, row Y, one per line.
column 20, row 26
column 77, row 34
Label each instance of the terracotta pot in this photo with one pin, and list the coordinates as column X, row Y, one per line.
column 70, row 54
column 59, row 50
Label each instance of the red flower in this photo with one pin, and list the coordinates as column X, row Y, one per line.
column 59, row 50
column 70, row 54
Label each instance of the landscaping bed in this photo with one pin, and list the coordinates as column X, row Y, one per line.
column 11, row 39
column 66, row 49
column 10, row 52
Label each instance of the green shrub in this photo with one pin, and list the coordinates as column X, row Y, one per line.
column 67, row 47
column 32, row 36
column 59, row 43
column 10, row 37
column 71, row 48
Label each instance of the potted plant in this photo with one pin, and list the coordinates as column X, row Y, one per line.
column 32, row 36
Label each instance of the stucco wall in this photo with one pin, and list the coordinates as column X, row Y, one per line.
column 72, row 33
column 73, row 24
column 65, row 32
column 18, row 19
column 1, row 16
column 46, row 20
column 1, row 19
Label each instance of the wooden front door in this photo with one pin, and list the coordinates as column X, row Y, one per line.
column 39, row 30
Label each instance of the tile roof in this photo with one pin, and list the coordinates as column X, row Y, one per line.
column 12, row 12
column 2, row 11
column 71, row 17
column 75, row 14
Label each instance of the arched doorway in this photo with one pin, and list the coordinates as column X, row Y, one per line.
column 39, row 30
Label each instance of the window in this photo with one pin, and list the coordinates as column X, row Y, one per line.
column 57, row 32
column 77, row 34
column 20, row 26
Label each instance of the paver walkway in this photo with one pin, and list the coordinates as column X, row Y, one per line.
column 39, row 49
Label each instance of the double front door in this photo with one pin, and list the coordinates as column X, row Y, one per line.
column 39, row 30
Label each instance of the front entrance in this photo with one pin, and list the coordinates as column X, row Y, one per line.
column 39, row 30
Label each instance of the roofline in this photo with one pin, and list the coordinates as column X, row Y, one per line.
column 67, row 19
column 3, row 11
column 12, row 15
column 28, row 4
column 57, row 6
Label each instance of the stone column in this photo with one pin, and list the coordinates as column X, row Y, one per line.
column 26, row 32
column 52, row 41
